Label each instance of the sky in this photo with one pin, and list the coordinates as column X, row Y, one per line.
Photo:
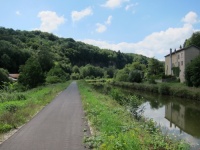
column 147, row 27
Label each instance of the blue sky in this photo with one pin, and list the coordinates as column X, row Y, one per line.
column 144, row 27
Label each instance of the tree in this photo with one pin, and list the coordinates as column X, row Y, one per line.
column 135, row 76
column 155, row 67
column 45, row 59
column 3, row 76
column 193, row 40
column 192, row 73
column 31, row 74
column 56, row 74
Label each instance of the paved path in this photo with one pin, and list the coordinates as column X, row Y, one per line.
column 59, row 126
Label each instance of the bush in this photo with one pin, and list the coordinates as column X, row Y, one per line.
column 3, row 76
column 31, row 74
column 75, row 76
column 5, row 128
column 56, row 74
column 53, row 79
column 192, row 73
column 135, row 76
column 164, row 89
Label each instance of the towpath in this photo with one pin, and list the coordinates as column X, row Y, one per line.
column 59, row 126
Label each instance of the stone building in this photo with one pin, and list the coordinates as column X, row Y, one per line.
column 180, row 58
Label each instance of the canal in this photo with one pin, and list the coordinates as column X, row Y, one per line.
column 179, row 118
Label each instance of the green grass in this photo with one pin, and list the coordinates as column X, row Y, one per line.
column 17, row 108
column 115, row 129
column 172, row 89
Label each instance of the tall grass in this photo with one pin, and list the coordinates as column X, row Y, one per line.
column 177, row 90
column 17, row 108
column 114, row 127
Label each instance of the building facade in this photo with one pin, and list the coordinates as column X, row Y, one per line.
column 180, row 58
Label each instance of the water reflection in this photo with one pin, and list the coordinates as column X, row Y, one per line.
column 177, row 117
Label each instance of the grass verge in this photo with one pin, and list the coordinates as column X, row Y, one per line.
column 17, row 108
column 115, row 129
column 176, row 90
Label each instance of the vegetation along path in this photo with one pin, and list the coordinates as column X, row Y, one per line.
column 58, row 126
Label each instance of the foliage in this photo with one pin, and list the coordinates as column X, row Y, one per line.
column 174, row 89
column 155, row 67
column 114, row 128
column 121, row 76
column 31, row 74
column 56, row 74
column 45, row 59
column 91, row 71
column 193, row 40
column 135, row 76
column 3, row 76
column 17, row 108
column 192, row 73
column 17, row 46
column 176, row 71
column 75, row 76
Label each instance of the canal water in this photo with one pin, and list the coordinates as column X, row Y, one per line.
column 179, row 118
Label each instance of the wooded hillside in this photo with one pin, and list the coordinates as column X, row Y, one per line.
column 17, row 46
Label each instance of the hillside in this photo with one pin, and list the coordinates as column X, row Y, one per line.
column 17, row 46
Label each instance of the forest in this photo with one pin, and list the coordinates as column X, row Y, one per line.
column 43, row 57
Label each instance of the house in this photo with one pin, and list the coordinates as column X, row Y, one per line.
column 13, row 77
column 180, row 58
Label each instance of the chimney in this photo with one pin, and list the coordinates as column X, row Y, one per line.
column 170, row 61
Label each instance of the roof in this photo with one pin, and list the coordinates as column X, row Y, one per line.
column 15, row 76
column 186, row 48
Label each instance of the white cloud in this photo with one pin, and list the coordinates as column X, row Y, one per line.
column 114, row 3
column 18, row 13
column 156, row 44
column 190, row 18
column 50, row 21
column 101, row 28
column 130, row 6
column 78, row 15
column 108, row 22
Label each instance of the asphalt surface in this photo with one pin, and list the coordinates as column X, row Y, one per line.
column 59, row 126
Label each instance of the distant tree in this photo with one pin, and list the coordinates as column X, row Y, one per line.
column 31, row 74
column 122, row 75
column 75, row 69
column 192, row 73
column 58, row 74
column 193, row 40
column 155, row 67
column 135, row 76
column 3, row 76
column 45, row 59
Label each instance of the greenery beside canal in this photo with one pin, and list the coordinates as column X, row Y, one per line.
column 16, row 108
column 177, row 90
column 115, row 128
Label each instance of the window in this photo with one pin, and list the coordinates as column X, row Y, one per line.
column 181, row 55
column 181, row 63
column 178, row 57
column 178, row 64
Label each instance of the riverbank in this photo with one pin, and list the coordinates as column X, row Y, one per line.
column 17, row 108
column 115, row 128
column 176, row 90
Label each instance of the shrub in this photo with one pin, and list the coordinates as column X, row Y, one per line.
column 192, row 73
column 135, row 76
column 31, row 74
column 75, row 76
column 164, row 89
column 5, row 127
column 3, row 76
column 52, row 79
